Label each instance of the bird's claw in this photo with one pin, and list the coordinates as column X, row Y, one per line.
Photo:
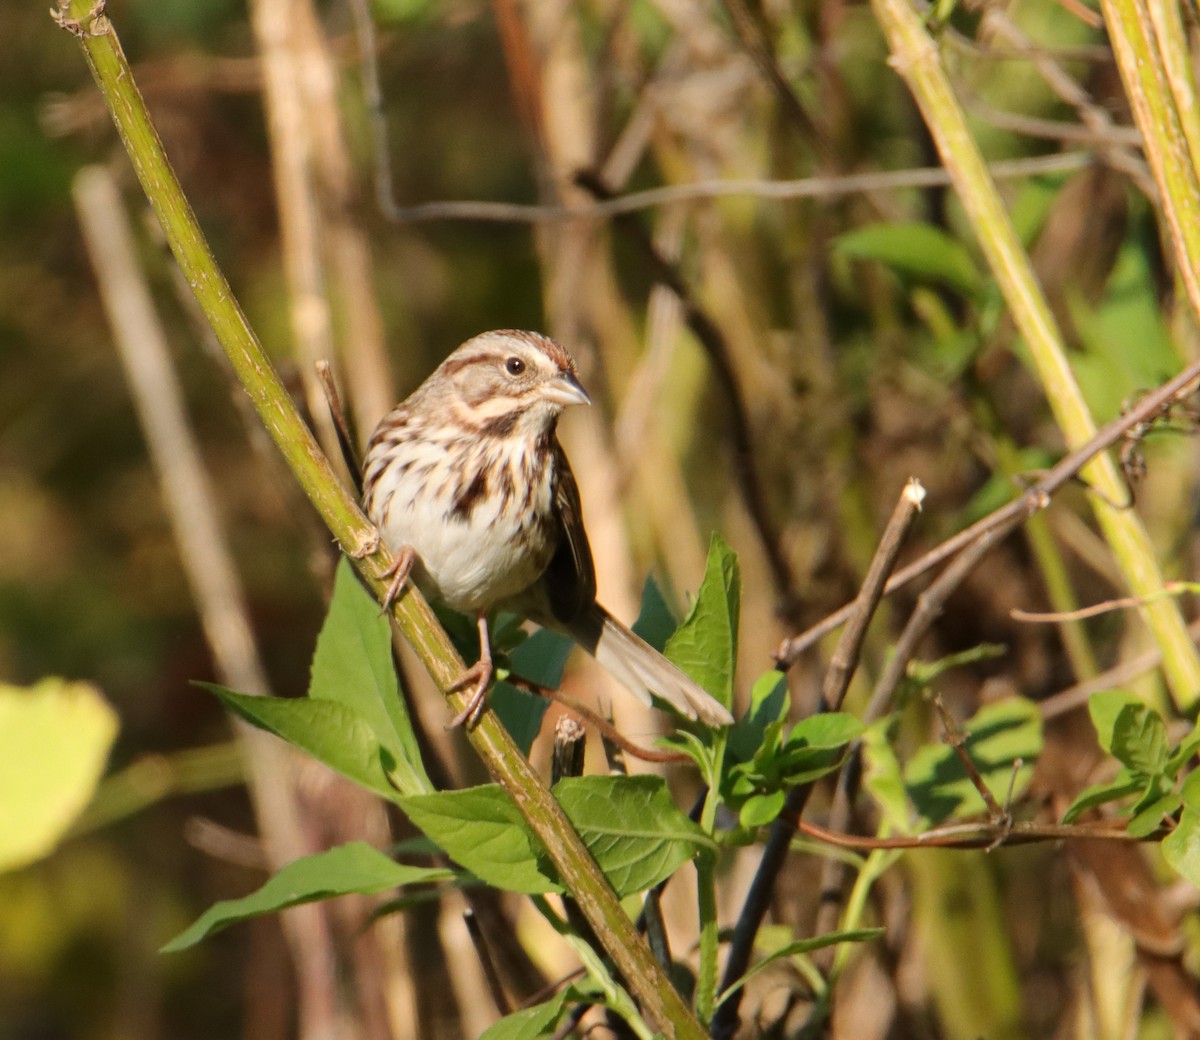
column 479, row 675
column 398, row 573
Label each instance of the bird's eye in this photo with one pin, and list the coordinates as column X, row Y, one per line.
column 514, row 366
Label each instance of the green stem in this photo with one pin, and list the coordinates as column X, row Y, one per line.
column 916, row 59
column 706, row 974
column 659, row 1000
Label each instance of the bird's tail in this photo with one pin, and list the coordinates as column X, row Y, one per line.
column 641, row 669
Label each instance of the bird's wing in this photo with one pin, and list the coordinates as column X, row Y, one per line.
column 570, row 579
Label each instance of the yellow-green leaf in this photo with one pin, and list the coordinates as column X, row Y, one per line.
column 54, row 742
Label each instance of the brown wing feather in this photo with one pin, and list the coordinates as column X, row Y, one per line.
column 570, row 579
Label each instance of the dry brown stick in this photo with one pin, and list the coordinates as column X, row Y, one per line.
column 207, row 562
column 1035, row 498
column 845, row 657
column 957, row 740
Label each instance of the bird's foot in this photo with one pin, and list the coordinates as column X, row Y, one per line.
column 398, row 574
column 477, row 677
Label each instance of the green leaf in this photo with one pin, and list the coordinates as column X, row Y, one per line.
column 914, row 250
column 829, row 729
column 882, row 777
column 482, row 831
column 521, row 713
column 542, row 658
column 760, row 809
column 1190, row 792
column 705, row 645
column 531, row 1023
column 632, row 827
column 1181, row 848
column 1139, row 739
column 330, row 732
column 769, row 701
column 1147, row 819
column 54, row 742
column 656, row 621
column 802, row 946
column 1122, row 786
column 353, row 868
column 352, row 666
column 1104, row 707
column 999, row 734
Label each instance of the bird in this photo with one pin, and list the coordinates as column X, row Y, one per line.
column 468, row 485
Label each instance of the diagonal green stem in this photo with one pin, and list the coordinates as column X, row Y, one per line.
column 1153, row 85
column 915, row 57
column 659, row 1000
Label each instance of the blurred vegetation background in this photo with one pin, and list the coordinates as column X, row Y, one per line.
column 862, row 342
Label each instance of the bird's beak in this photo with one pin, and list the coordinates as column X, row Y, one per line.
column 565, row 390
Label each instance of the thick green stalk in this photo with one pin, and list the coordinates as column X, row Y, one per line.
column 916, row 59
column 659, row 1001
column 1145, row 73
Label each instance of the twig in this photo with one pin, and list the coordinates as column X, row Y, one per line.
column 490, row 975
column 957, row 740
column 569, row 746
column 340, row 423
column 1035, row 498
column 763, row 188
column 1095, row 610
column 845, row 657
column 978, row 835
column 1078, row 695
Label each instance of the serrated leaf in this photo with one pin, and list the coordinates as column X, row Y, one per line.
column 998, row 735
column 705, row 645
column 482, row 831
column 353, row 868
column 332, row 733
column 1181, row 848
column 632, row 827
column 352, row 666
column 55, row 738
column 914, row 250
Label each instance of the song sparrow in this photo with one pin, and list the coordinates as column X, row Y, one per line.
column 468, row 484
